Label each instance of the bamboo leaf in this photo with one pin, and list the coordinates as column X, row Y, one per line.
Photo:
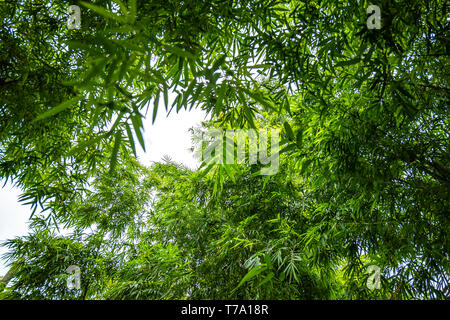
column 103, row 12
column 252, row 273
column 115, row 151
column 267, row 279
column 289, row 131
column 137, row 125
column 59, row 108
column 155, row 107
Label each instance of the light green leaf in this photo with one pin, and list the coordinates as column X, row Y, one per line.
column 59, row 108
column 252, row 273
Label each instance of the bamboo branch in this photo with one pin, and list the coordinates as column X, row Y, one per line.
column 396, row 291
column 8, row 276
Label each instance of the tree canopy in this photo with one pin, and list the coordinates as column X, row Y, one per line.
column 364, row 176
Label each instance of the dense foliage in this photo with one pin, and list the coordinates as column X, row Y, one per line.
column 364, row 175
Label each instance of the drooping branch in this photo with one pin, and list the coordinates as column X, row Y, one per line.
column 8, row 276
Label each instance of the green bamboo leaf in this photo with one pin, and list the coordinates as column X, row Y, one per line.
column 87, row 143
column 218, row 63
column 133, row 8
column 289, row 131
column 348, row 62
column 115, row 151
column 166, row 97
column 268, row 260
column 130, row 137
column 267, row 279
column 155, row 107
column 286, row 106
column 205, row 171
column 188, row 92
column 195, row 96
column 103, row 12
column 252, row 273
column 249, row 116
column 59, row 108
column 288, row 148
column 229, row 171
column 136, row 120
column 259, row 98
column 221, row 93
column 180, row 52
column 299, row 138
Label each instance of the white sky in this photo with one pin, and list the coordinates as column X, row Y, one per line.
column 168, row 136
